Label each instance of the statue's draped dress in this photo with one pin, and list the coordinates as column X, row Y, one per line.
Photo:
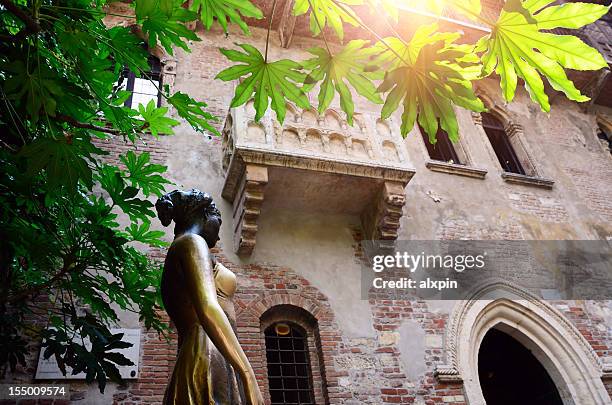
column 202, row 376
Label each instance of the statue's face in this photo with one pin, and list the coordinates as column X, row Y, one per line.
column 210, row 231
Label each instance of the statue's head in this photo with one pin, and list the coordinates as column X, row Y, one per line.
column 188, row 209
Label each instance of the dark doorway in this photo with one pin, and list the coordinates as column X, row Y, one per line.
column 510, row 374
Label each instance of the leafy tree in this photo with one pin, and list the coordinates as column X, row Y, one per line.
column 59, row 204
column 59, row 69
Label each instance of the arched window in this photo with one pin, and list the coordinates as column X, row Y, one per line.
column 144, row 88
column 443, row 150
column 501, row 144
column 289, row 369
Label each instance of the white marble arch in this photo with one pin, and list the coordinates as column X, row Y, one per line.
column 557, row 344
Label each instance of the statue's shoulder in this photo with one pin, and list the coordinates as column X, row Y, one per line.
column 188, row 242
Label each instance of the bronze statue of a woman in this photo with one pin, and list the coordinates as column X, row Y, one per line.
column 197, row 294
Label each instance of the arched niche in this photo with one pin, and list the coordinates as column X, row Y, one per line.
column 292, row 113
column 555, row 342
column 310, row 117
column 359, row 122
column 255, row 132
column 390, row 151
column 314, row 141
column 333, row 120
column 382, row 128
column 337, row 144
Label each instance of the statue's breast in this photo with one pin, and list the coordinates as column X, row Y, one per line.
column 225, row 281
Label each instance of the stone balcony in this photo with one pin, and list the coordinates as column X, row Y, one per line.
column 317, row 163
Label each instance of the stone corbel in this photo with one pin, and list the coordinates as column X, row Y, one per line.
column 513, row 129
column 477, row 118
column 247, row 207
column 447, row 374
column 607, row 370
column 382, row 220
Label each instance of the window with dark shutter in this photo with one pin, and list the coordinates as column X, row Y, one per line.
column 443, row 149
column 501, row 144
column 289, row 373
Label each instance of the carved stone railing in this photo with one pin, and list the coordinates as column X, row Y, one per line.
column 316, row 144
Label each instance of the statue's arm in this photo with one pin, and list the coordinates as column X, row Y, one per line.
column 200, row 285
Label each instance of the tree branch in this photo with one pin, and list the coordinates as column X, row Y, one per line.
column 66, row 268
column 32, row 25
column 69, row 120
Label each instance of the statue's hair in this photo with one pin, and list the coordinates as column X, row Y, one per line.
column 179, row 206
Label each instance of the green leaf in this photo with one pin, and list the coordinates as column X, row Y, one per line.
column 144, row 174
column 193, row 112
column 570, row 15
column 124, row 196
column 155, row 119
column 517, row 49
column 38, row 90
column 224, row 10
column 163, row 21
column 328, row 12
column 142, row 234
column 277, row 81
column 66, row 161
column 335, row 70
column 428, row 80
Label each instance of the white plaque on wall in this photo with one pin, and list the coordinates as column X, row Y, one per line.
column 49, row 370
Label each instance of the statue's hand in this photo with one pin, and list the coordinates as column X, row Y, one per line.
column 253, row 395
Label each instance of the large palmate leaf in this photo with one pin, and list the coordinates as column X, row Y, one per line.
column 328, row 12
column 518, row 49
column 193, row 112
column 431, row 76
column 267, row 80
column 144, row 174
column 162, row 20
column 336, row 70
column 155, row 119
column 224, row 10
column 67, row 160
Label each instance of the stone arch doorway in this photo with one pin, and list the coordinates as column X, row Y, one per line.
column 557, row 345
column 510, row 374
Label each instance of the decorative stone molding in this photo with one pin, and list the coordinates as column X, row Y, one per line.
column 476, row 118
column 515, row 178
column 556, row 343
column 453, row 168
column 382, row 220
column 447, row 374
column 247, row 207
column 607, row 371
